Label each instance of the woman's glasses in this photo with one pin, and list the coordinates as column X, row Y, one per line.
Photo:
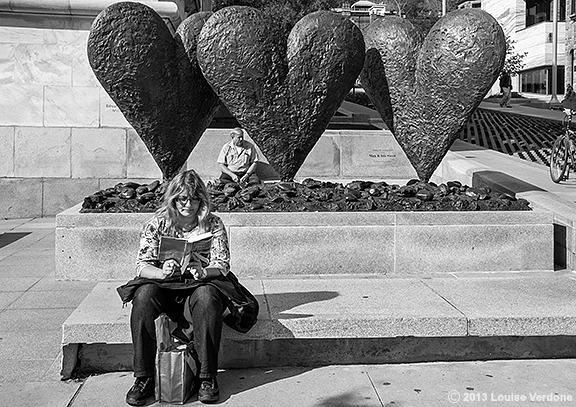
column 184, row 199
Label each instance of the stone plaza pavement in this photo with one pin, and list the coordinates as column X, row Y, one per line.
column 33, row 307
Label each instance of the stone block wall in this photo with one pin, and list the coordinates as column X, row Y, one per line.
column 95, row 246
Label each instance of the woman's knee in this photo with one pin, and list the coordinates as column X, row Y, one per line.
column 144, row 295
column 206, row 295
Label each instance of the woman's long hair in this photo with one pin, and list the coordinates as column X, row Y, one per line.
column 190, row 184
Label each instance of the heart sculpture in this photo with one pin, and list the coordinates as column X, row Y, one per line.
column 284, row 99
column 427, row 90
column 154, row 79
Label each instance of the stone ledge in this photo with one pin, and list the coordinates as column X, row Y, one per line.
column 348, row 311
column 500, row 182
column 472, row 165
column 81, row 7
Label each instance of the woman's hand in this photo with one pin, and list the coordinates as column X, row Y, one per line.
column 169, row 267
column 197, row 271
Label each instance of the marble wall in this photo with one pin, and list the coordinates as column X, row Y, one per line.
column 61, row 136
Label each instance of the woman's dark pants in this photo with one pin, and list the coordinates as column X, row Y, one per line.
column 203, row 308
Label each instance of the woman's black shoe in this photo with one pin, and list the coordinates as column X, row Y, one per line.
column 142, row 389
column 208, row 392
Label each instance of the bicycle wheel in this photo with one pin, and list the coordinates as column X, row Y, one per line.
column 559, row 158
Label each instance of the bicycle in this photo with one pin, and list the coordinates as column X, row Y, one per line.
column 563, row 150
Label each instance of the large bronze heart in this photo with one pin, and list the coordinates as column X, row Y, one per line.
column 426, row 91
column 284, row 99
column 154, row 79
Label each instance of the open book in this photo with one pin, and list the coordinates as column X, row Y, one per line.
column 182, row 250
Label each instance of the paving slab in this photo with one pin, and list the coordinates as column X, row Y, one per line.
column 526, row 306
column 491, row 383
column 47, row 283
column 33, row 320
column 23, row 371
column 17, row 283
column 54, row 372
column 10, row 224
column 39, row 223
column 27, row 260
column 422, row 384
column 7, row 298
column 48, row 299
column 30, row 345
column 509, row 274
column 34, row 268
column 279, row 387
column 39, row 394
column 39, row 241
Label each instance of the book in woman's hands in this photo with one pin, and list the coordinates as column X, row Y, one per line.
column 182, row 250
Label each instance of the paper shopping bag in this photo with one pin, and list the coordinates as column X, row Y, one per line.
column 175, row 375
column 176, row 365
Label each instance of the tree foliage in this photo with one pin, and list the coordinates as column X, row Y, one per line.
column 514, row 60
column 422, row 13
column 283, row 14
column 295, row 8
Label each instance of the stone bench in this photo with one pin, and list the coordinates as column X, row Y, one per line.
column 101, row 246
column 366, row 319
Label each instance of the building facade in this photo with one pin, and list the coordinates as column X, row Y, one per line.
column 470, row 4
column 364, row 12
column 529, row 23
column 570, row 41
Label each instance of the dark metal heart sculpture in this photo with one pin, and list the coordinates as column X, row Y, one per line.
column 426, row 91
column 285, row 100
column 154, row 79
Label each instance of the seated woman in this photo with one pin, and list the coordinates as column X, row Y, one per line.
column 196, row 297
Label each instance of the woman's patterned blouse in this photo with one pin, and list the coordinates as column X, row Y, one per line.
column 156, row 227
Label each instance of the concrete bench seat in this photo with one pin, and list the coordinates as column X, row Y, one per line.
column 360, row 319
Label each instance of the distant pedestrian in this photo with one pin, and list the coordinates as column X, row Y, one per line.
column 569, row 101
column 506, row 88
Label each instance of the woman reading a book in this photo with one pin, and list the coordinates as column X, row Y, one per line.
column 196, row 296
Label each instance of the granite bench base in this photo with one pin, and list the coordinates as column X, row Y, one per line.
column 355, row 320
column 101, row 246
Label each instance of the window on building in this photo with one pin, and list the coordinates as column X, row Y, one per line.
column 538, row 11
column 538, row 81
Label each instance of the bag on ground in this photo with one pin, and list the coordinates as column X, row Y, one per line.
column 176, row 364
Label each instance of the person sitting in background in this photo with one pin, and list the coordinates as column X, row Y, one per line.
column 238, row 160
